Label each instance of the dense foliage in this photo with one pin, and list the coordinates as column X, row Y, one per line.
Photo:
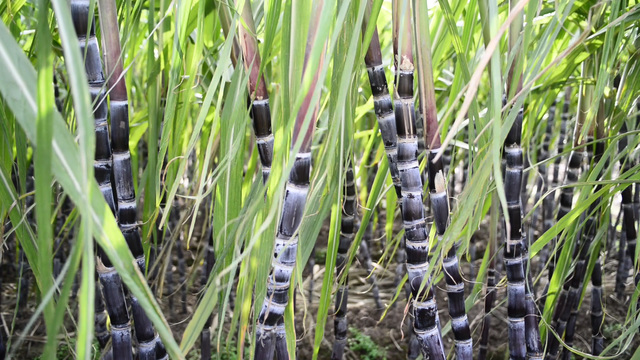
column 229, row 137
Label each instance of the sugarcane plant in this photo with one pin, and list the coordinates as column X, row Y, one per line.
column 286, row 242
column 426, row 321
column 437, row 185
column 524, row 339
column 382, row 104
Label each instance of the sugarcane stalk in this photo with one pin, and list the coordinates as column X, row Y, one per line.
column 524, row 338
column 513, row 168
column 426, row 322
column 437, row 189
column 347, row 233
column 297, row 187
column 85, row 29
column 284, row 254
column 122, row 171
column 628, row 218
column 382, row 104
column 115, row 303
column 258, row 95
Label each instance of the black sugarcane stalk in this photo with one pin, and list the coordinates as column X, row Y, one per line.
column 285, row 251
column 570, row 331
column 122, row 171
column 115, row 303
column 437, row 185
column 286, row 241
column 93, row 69
column 513, row 253
column 426, row 321
column 347, row 233
column 258, row 94
column 382, row 103
column 401, row 253
column 628, row 219
column 524, row 339
column 453, row 278
column 111, row 283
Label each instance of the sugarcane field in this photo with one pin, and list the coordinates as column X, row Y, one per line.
column 316, row 179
